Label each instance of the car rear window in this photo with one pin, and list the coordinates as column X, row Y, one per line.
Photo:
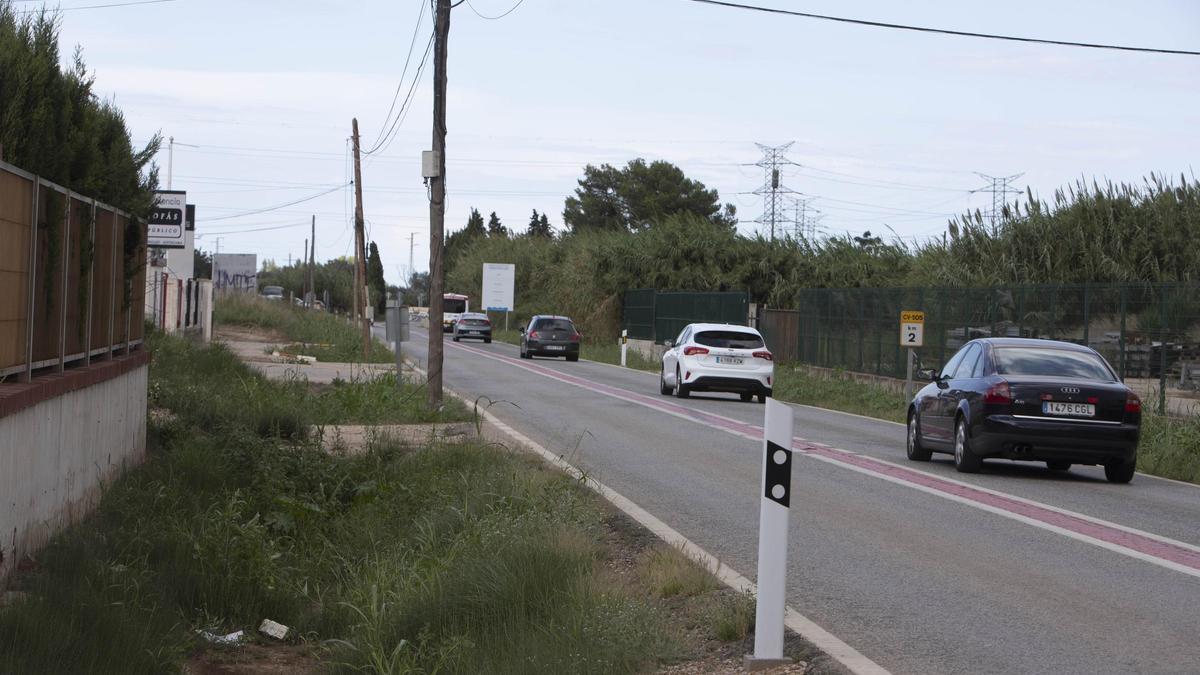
column 475, row 322
column 1051, row 363
column 728, row 339
column 555, row 324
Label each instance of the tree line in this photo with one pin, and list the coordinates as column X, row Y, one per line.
column 628, row 238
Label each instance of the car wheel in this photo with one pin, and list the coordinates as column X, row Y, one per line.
column 524, row 354
column 487, row 341
column 1058, row 466
column 964, row 460
column 572, row 357
column 747, row 397
column 457, row 339
column 681, row 389
column 1120, row 472
column 915, row 451
column 663, row 387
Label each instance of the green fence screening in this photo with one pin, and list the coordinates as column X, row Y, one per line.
column 660, row 315
column 638, row 313
column 1149, row 333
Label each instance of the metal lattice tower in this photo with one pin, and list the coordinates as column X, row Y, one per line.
column 1000, row 187
column 804, row 225
column 773, row 191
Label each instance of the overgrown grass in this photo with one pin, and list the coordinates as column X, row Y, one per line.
column 797, row 386
column 733, row 617
column 325, row 336
column 1170, row 447
column 602, row 352
column 669, row 573
column 445, row 559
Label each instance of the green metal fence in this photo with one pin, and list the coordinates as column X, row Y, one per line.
column 1149, row 333
column 638, row 313
column 660, row 315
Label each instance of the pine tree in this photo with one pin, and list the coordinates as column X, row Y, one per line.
column 495, row 227
column 375, row 280
column 539, row 225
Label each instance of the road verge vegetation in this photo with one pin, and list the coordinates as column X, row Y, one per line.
column 445, row 558
column 327, row 337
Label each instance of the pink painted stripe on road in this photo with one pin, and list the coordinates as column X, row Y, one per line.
column 1175, row 553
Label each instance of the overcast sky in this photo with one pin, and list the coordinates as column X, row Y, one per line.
column 889, row 126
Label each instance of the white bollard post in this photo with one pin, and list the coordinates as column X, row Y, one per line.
column 775, row 500
column 624, row 345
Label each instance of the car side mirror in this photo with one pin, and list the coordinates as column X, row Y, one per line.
column 668, row 344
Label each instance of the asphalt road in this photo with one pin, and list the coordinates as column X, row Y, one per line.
column 920, row 568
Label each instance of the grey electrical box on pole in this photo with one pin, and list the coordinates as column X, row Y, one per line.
column 431, row 164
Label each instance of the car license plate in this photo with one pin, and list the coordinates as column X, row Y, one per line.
column 730, row 360
column 1063, row 409
column 554, row 348
column 473, row 332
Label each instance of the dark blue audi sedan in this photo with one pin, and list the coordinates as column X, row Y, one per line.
column 1031, row 400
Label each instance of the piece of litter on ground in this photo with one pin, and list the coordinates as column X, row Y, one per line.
column 272, row 629
column 233, row 638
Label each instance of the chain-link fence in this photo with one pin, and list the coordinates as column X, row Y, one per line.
column 660, row 315
column 1150, row 333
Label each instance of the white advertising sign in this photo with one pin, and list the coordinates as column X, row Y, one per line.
column 167, row 220
column 499, row 280
column 236, row 272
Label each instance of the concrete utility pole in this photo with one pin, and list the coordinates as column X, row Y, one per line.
column 412, row 240
column 303, row 277
column 437, row 204
column 360, row 270
column 312, row 266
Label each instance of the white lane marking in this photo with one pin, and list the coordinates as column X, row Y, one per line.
column 1078, row 536
column 848, row 656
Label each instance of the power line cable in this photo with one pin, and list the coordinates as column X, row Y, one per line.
column 944, row 31
column 407, row 61
column 108, row 6
column 386, row 141
column 494, row 18
column 279, row 206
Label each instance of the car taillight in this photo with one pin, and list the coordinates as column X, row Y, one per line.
column 575, row 337
column 692, row 351
column 533, row 335
column 487, row 322
column 998, row 394
column 1133, row 404
column 764, row 355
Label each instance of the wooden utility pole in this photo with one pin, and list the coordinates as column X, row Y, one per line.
column 360, row 270
column 437, row 203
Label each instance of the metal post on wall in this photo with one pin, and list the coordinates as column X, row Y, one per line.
column 31, row 307
column 1121, row 339
column 64, row 259
column 1086, row 322
column 112, row 288
column 1162, row 351
column 91, row 285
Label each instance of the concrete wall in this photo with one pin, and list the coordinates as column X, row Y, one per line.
column 56, row 453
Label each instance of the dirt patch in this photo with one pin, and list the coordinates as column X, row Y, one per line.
column 254, row 659
column 249, row 334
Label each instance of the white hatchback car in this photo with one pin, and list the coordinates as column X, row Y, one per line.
column 718, row 357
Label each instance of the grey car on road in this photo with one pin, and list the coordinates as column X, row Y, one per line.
column 474, row 326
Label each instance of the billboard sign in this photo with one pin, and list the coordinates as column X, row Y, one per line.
column 498, row 282
column 167, row 220
column 236, row 272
